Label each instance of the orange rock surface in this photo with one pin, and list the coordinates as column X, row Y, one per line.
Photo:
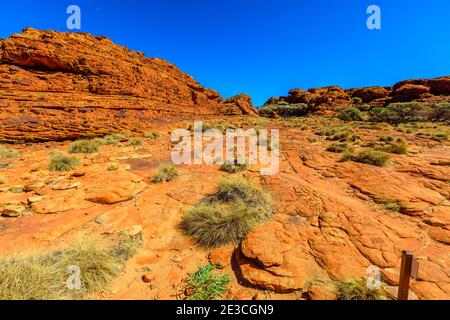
column 56, row 86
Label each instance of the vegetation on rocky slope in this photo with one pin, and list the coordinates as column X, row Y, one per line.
column 204, row 284
column 229, row 215
column 48, row 276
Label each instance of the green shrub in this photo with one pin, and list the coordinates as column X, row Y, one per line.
column 205, row 285
column 44, row 276
column 439, row 134
column 339, row 147
column 393, row 206
column 387, row 139
column 214, row 225
column 401, row 112
column 6, row 153
column 229, row 215
column 116, row 138
column 368, row 156
column 135, row 142
column 356, row 289
column 152, row 134
column 357, row 100
column 165, row 173
column 397, row 147
column 335, row 133
column 351, row 114
column 234, row 168
column 240, row 189
column 222, row 127
column 285, row 110
column 312, row 139
column 442, row 111
column 61, row 162
column 84, row 146
column 112, row 166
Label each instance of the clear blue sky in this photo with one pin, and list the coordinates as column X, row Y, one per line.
column 264, row 47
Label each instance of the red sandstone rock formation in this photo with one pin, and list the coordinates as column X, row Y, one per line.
column 240, row 104
column 56, row 86
column 428, row 91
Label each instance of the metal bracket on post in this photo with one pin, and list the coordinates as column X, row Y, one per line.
column 409, row 268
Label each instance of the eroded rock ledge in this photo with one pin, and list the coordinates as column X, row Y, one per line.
column 56, row 86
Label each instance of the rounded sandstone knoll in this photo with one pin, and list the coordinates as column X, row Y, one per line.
column 368, row 94
column 240, row 104
column 429, row 91
column 62, row 85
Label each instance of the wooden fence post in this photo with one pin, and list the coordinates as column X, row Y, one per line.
column 409, row 268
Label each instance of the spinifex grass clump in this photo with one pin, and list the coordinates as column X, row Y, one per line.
column 165, row 173
column 44, row 276
column 61, row 162
column 115, row 139
column 339, row 147
column 397, row 147
column 112, row 166
column 205, row 285
column 152, row 134
column 84, row 146
column 135, row 142
column 229, row 215
column 357, row 289
column 351, row 114
column 368, row 156
column 335, row 133
column 7, row 153
column 234, row 167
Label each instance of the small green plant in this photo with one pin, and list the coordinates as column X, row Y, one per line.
column 387, row 139
column 393, row 206
column 116, row 138
column 335, row 133
column 6, row 153
column 84, row 146
column 165, row 173
column 60, row 162
column 112, row 166
column 285, row 110
column 234, row 168
column 357, row 100
column 357, row 289
column 368, row 156
column 397, row 147
column 339, row 147
column 311, row 139
column 135, row 142
column 205, row 285
column 351, row 114
column 152, row 134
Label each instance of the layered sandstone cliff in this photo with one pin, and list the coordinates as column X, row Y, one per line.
column 56, row 86
column 428, row 91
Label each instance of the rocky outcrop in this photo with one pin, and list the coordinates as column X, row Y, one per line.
column 429, row 91
column 240, row 104
column 56, row 86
